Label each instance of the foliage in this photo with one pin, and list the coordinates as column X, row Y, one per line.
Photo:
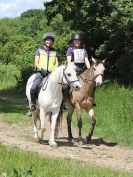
column 106, row 26
column 30, row 22
column 18, row 47
column 9, row 75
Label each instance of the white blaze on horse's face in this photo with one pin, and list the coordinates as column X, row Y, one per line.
column 70, row 76
column 98, row 72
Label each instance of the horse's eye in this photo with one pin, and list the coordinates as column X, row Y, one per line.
column 69, row 74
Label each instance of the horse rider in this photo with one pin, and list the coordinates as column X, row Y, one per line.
column 45, row 62
column 77, row 53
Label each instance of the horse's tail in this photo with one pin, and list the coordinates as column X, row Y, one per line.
column 59, row 121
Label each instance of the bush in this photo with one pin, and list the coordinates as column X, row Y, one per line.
column 9, row 75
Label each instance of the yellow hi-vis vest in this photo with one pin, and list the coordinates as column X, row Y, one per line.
column 45, row 60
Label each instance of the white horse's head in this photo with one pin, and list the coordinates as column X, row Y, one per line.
column 70, row 76
column 99, row 68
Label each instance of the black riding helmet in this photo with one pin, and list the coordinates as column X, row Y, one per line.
column 76, row 36
column 49, row 35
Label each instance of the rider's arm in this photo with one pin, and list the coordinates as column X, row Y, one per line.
column 37, row 58
column 37, row 62
column 87, row 62
column 69, row 55
column 69, row 59
column 56, row 62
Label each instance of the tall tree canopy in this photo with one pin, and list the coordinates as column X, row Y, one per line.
column 107, row 28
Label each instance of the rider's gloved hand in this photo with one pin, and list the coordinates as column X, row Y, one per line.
column 78, row 70
column 47, row 73
column 44, row 72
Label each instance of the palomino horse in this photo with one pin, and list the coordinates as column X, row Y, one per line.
column 50, row 98
column 84, row 98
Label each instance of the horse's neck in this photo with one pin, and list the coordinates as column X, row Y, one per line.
column 88, row 74
column 54, row 80
column 89, row 81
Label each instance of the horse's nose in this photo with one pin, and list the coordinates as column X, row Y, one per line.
column 77, row 87
column 98, row 84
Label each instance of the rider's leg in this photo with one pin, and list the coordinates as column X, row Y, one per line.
column 33, row 91
column 33, row 99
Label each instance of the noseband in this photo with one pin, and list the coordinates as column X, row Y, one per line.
column 98, row 75
column 68, row 81
column 93, row 79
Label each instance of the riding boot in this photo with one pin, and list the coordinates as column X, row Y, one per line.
column 33, row 100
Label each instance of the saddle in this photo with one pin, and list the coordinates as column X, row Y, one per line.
column 80, row 70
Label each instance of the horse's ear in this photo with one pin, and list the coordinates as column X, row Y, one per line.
column 93, row 60
column 104, row 61
column 65, row 63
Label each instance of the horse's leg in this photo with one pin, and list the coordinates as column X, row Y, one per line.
column 69, row 120
column 38, row 122
column 79, row 123
column 93, row 122
column 42, row 119
column 34, row 118
column 53, row 125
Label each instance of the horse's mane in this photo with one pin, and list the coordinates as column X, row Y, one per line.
column 86, row 72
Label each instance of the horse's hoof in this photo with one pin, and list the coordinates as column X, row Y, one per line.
column 37, row 139
column 53, row 144
column 70, row 140
column 40, row 141
column 81, row 142
column 88, row 139
column 56, row 136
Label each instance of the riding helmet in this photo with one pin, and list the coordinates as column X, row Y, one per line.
column 49, row 35
column 76, row 36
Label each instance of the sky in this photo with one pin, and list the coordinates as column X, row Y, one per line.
column 13, row 8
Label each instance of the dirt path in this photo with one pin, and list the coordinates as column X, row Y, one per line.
column 98, row 152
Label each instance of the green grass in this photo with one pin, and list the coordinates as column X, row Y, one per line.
column 9, row 87
column 16, row 163
column 13, row 113
column 114, row 114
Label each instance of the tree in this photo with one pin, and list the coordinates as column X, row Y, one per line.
column 106, row 26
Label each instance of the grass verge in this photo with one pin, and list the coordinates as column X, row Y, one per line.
column 16, row 163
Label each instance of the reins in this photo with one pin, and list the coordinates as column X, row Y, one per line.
column 90, row 80
column 68, row 82
column 46, row 80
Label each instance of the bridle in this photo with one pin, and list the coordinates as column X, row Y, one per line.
column 66, row 78
column 93, row 77
column 98, row 75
